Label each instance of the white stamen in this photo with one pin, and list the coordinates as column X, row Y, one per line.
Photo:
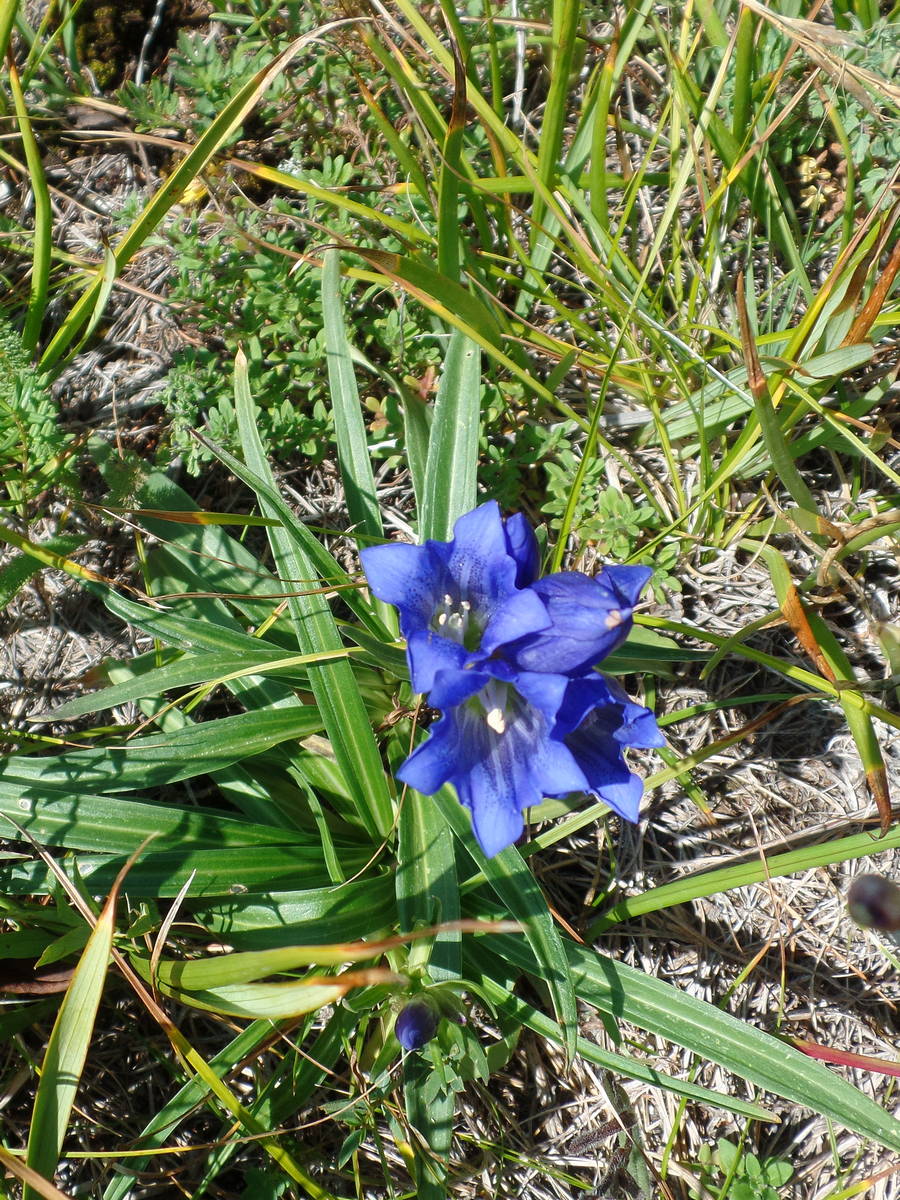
column 451, row 618
column 613, row 619
column 496, row 720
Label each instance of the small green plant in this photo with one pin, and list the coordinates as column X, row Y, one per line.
column 604, row 513
column 32, row 445
column 244, row 286
column 859, row 152
column 729, row 1171
column 605, row 517
column 200, row 80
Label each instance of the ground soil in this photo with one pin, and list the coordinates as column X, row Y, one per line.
column 797, row 780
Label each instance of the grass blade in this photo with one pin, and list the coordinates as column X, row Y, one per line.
column 564, row 28
column 768, row 1062
column 773, row 435
column 350, row 432
column 630, row 1068
column 68, row 1046
column 448, row 218
column 450, row 471
column 8, row 10
column 825, row 651
column 215, row 873
column 163, row 758
column 428, row 891
column 333, row 683
column 208, row 144
column 724, row 879
column 43, row 216
column 524, row 902
column 166, row 1121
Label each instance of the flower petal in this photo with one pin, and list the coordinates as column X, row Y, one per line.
column 627, row 582
column 481, row 567
column 544, row 692
column 409, row 577
column 452, row 687
column 520, row 768
column 628, row 723
column 429, row 655
column 639, row 728
column 589, row 619
column 584, row 693
column 600, row 758
column 432, row 764
column 522, row 545
column 524, row 613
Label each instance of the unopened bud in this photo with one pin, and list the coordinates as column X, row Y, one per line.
column 416, row 1024
column 874, row 903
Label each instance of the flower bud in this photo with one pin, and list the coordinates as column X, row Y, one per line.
column 417, row 1023
column 874, row 903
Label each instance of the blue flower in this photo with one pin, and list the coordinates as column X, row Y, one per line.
column 475, row 598
column 588, row 618
column 597, row 722
column 512, row 744
column 509, row 659
column 455, row 598
column 416, row 1024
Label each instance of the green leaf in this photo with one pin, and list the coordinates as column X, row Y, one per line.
column 646, row 649
column 524, row 901
column 709, row 883
column 249, row 966
column 837, row 362
column 333, row 683
column 362, row 908
column 428, row 892
column 82, row 820
column 185, row 671
column 165, row 757
column 67, row 1049
column 416, row 436
column 767, row 1062
column 350, row 431
column 450, row 472
column 42, row 213
column 210, row 872
column 19, row 568
column 272, row 1001
column 631, row 1068
column 426, row 879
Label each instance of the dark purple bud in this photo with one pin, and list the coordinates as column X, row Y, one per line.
column 874, row 903
column 416, row 1024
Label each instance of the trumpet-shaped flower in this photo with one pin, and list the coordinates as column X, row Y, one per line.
column 509, row 659
column 511, row 745
column 587, row 619
column 455, row 597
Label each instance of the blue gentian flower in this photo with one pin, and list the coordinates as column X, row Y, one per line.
column 597, row 722
column 416, row 1023
column 509, row 659
column 589, row 618
column 497, row 750
column 511, row 745
column 456, row 597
